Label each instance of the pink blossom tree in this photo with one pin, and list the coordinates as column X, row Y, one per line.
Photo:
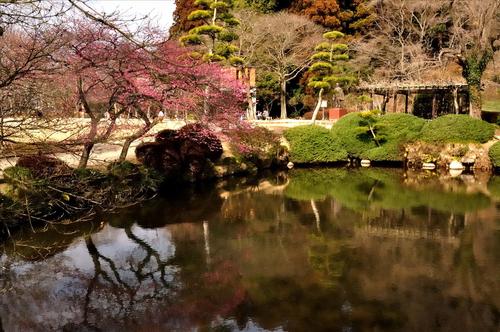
column 113, row 75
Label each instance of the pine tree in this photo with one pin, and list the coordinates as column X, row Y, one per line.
column 329, row 67
column 181, row 23
column 214, row 36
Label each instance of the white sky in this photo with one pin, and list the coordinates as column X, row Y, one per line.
column 160, row 11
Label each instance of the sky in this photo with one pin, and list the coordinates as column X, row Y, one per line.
column 160, row 11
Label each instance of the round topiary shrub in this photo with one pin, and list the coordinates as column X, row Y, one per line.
column 400, row 128
column 313, row 144
column 494, row 154
column 346, row 132
column 395, row 129
column 457, row 128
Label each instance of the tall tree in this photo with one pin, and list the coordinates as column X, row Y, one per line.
column 280, row 45
column 474, row 37
column 266, row 6
column 412, row 38
column 322, row 12
column 181, row 22
column 214, row 37
column 327, row 68
column 400, row 42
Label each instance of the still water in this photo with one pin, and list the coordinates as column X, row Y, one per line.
column 311, row 250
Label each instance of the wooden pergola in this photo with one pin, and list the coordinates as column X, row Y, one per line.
column 459, row 91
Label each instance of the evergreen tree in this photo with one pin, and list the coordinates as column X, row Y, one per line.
column 349, row 16
column 214, row 36
column 181, row 23
column 329, row 67
column 266, row 6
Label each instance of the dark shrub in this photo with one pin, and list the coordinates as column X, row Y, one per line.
column 197, row 141
column 459, row 128
column 150, row 154
column 42, row 166
column 167, row 135
column 185, row 151
column 253, row 143
column 313, row 144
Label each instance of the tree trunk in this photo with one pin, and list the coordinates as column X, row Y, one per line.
column 125, row 148
column 475, row 101
column 473, row 67
column 89, row 144
column 84, row 158
column 126, row 145
column 283, row 98
column 318, row 106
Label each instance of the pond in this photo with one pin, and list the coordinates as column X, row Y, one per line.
column 308, row 250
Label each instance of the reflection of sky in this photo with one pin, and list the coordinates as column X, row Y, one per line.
column 51, row 292
column 159, row 11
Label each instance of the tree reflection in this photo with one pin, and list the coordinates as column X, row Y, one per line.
column 332, row 256
column 151, row 279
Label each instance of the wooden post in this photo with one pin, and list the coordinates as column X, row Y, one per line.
column 395, row 101
column 460, row 102
column 372, row 105
column 384, row 103
column 407, row 96
column 434, row 105
column 455, row 100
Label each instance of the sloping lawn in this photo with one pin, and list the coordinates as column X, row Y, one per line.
column 491, row 105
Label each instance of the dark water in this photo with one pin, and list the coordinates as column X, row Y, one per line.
column 314, row 250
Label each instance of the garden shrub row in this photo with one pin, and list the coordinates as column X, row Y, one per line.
column 366, row 135
column 457, row 129
column 314, row 144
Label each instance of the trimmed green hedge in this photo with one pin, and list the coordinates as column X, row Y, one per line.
column 494, row 154
column 457, row 128
column 313, row 144
column 396, row 130
column 346, row 132
column 386, row 152
column 393, row 131
column 400, row 127
column 350, row 137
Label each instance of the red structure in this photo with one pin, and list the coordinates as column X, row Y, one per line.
column 336, row 113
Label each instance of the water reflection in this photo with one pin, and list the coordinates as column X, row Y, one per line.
column 317, row 250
